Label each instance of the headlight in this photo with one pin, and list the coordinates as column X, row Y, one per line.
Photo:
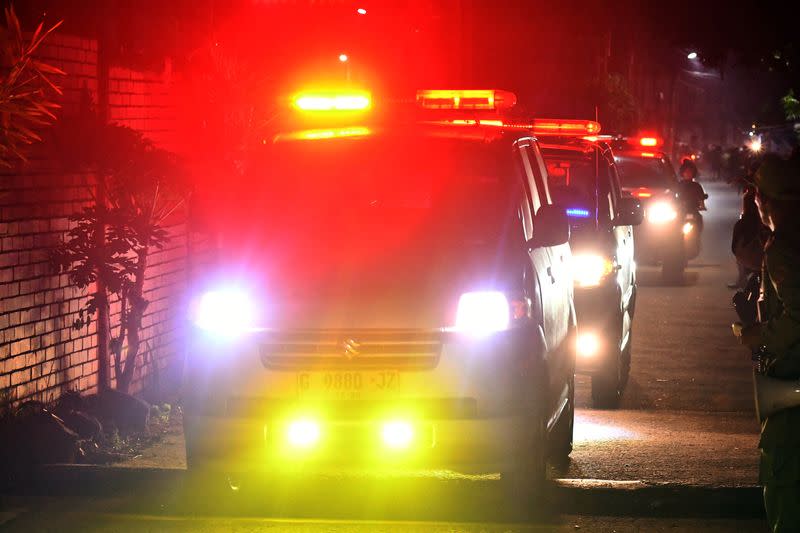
column 588, row 270
column 661, row 213
column 224, row 312
column 481, row 313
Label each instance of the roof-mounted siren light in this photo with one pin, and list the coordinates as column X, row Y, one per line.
column 473, row 99
column 650, row 141
column 320, row 101
column 565, row 127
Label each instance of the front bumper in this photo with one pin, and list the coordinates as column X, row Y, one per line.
column 599, row 312
column 259, row 446
column 467, row 408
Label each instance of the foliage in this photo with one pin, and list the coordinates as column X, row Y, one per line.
column 791, row 106
column 111, row 240
column 618, row 110
column 26, row 89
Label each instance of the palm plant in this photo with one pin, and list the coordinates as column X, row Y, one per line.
column 26, row 88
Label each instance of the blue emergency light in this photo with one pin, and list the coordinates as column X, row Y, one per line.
column 577, row 212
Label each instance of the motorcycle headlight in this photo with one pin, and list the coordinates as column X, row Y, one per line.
column 482, row 313
column 661, row 213
column 225, row 312
column 588, row 270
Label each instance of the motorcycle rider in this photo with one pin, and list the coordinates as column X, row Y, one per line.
column 690, row 191
column 777, row 335
column 693, row 197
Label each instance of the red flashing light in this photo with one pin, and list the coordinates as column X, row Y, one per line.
column 311, row 135
column 642, row 193
column 332, row 101
column 650, row 140
column 476, row 99
column 565, row 127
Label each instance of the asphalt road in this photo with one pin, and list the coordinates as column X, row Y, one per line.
column 686, row 418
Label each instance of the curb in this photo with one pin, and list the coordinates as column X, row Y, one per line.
column 398, row 498
column 625, row 498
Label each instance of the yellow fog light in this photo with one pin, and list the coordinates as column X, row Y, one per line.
column 303, row 433
column 588, row 345
column 397, row 435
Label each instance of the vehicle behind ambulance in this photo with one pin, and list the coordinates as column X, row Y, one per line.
column 583, row 180
column 667, row 235
column 391, row 289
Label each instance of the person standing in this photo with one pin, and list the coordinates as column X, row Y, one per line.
column 749, row 237
column 777, row 335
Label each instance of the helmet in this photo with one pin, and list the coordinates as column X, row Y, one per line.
column 778, row 178
column 689, row 165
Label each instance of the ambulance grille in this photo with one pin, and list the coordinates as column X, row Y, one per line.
column 352, row 350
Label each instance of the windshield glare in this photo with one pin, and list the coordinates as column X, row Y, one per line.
column 656, row 173
column 357, row 198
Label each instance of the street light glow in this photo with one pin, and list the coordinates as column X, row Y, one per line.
column 692, row 55
column 343, row 58
column 361, row 11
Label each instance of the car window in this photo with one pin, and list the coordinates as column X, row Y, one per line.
column 645, row 172
column 572, row 179
column 608, row 186
column 526, row 218
column 540, row 173
column 529, row 178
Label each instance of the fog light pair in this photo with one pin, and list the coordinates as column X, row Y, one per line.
column 306, row 434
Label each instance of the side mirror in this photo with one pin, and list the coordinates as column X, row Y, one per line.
column 630, row 212
column 550, row 227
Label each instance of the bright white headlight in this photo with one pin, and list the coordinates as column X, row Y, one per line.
column 661, row 213
column 224, row 312
column 588, row 270
column 483, row 312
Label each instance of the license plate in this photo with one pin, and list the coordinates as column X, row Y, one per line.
column 347, row 384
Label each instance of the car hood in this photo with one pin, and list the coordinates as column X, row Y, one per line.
column 417, row 291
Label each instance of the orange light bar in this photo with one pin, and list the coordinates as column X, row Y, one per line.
column 565, row 127
column 478, row 99
column 642, row 193
column 648, row 141
column 647, row 154
column 471, row 122
column 332, row 101
column 311, row 135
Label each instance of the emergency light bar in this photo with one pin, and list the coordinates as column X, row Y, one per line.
column 474, row 99
column 650, row 141
column 565, row 127
column 333, row 101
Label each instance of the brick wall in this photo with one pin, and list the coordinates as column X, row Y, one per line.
column 41, row 355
